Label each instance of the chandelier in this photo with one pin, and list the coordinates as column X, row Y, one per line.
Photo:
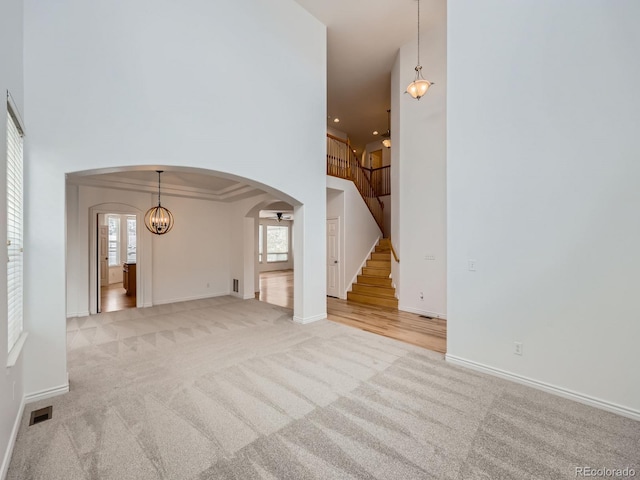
column 158, row 220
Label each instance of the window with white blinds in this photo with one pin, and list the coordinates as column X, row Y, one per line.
column 14, row 228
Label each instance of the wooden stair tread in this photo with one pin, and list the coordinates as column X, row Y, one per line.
column 372, row 299
column 378, row 290
column 372, row 280
column 373, row 286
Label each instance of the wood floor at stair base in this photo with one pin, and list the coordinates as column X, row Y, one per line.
column 407, row 327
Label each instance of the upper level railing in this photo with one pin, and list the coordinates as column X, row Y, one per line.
column 342, row 163
column 380, row 179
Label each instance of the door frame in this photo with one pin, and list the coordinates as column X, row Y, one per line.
column 340, row 256
column 99, row 260
column 143, row 254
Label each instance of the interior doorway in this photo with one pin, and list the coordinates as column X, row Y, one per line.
column 333, row 257
column 274, row 264
column 116, row 261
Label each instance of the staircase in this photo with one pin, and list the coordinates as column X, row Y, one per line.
column 373, row 286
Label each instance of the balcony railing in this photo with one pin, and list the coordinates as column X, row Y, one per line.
column 342, row 163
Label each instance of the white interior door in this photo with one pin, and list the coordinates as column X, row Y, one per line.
column 103, row 261
column 333, row 257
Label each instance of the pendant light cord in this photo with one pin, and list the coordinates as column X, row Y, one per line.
column 418, row 33
column 159, row 172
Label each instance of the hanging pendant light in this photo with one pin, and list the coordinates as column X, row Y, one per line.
column 279, row 216
column 387, row 141
column 419, row 86
column 158, row 220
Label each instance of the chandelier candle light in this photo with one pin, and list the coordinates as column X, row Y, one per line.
column 419, row 86
column 158, row 220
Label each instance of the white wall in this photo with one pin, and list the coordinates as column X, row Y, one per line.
column 165, row 84
column 10, row 79
column 543, row 178
column 192, row 261
column 418, row 171
column 358, row 228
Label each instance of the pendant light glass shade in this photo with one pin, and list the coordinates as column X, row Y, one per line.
column 419, row 86
column 158, row 220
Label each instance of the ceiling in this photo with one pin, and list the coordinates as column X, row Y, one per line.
column 363, row 38
column 174, row 183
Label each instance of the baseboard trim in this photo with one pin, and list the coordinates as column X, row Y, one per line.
column 562, row 392
column 78, row 314
column 12, row 442
column 194, row 297
column 427, row 313
column 315, row 318
column 47, row 393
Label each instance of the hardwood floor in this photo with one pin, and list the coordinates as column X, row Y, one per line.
column 113, row 298
column 431, row 333
column 277, row 288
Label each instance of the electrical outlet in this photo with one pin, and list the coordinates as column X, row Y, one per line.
column 421, row 296
column 472, row 265
column 517, row 348
column 208, row 285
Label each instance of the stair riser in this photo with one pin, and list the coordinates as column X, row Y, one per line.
column 385, row 257
column 376, row 272
column 380, row 281
column 369, row 300
column 374, row 290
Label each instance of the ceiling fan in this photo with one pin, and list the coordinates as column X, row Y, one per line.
column 279, row 216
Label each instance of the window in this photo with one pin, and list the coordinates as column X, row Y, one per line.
column 113, row 222
column 260, row 244
column 14, row 228
column 131, row 239
column 277, row 243
column 121, row 239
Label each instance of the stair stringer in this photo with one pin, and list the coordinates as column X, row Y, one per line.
column 362, row 265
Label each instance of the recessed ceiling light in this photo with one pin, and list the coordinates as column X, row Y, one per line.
column 336, row 120
column 375, row 132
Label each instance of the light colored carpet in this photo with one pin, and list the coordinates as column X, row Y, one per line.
column 229, row 389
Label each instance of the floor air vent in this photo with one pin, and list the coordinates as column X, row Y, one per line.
column 40, row 415
column 424, row 316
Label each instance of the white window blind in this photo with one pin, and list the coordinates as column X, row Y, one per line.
column 14, row 229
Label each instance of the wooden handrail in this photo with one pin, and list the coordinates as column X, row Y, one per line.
column 333, row 137
column 393, row 250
